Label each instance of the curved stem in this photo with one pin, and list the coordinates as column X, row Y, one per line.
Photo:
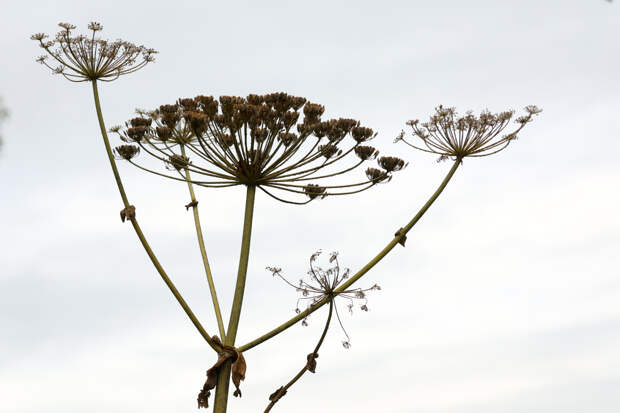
column 364, row 269
column 223, row 380
column 203, row 251
column 139, row 232
column 281, row 391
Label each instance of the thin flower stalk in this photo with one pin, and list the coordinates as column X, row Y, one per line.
column 91, row 59
column 309, row 366
column 395, row 240
column 448, row 136
column 203, row 251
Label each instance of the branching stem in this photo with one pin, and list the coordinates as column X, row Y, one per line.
column 364, row 269
column 280, row 392
column 134, row 223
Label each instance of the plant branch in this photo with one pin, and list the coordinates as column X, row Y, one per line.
column 310, row 364
column 397, row 238
column 203, row 251
column 139, row 232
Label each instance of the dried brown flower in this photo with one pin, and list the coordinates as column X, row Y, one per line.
column 126, row 151
column 260, row 140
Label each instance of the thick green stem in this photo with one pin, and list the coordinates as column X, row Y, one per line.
column 402, row 232
column 223, row 380
column 138, row 230
column 203, row 251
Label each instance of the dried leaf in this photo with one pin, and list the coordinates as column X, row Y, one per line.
column 238, row 372
column 277, row 395
column 311, row 364
column 128, row 213
column 191, row 204
column 403, row 237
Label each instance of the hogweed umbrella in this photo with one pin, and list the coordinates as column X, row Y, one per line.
column 259, row 142
column 256, row 141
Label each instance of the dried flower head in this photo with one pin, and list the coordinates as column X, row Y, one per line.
column 449, row 135
column 277, row 142
column 126, row 151
column 84, row 58
column 322, row 283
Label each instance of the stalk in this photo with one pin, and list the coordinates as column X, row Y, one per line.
column 138, row 230
column 203, row 251
column 221, row 390
column 305, row 368
column 364, row 269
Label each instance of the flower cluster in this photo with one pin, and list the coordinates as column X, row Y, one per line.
column 84, row 58
column 322, row 284
column 448, row 135
column 258, row 140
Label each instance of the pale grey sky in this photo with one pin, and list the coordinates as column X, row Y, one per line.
column 505, row 298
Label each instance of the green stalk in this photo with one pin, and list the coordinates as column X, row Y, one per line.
column 223, row 379
column 138, row 230
column 364, row 269
column 203, row 251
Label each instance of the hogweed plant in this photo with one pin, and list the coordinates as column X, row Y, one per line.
column 279, row 144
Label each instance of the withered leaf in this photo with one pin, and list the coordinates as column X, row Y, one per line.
column 311, row 364
column 403, row 238
column 191, row 204
column 238, row 372
column 128, row 213
column 277, row 395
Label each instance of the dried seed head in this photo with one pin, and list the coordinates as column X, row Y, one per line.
column 95, row 27
column 366, row 153
column 286, row 138
column 87, row 58
column 126, row 151
column 323, row 283
column 377, row 175
column 329, row 150
column 253, row 141
column 137, row 134
column 314, row 191
column 178, row 162
column 449, row 135
column 391, row 163
column 163, row 132
column 361, row 134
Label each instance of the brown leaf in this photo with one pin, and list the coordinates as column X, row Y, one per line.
column 277, row 395
column 128, row 213
column 403, row 237
column 238, row 372
column 311, row 364
column 191, row 204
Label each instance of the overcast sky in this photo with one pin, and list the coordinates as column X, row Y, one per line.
column 506, row 297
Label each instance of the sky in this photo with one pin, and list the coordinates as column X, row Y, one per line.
column 505, row 298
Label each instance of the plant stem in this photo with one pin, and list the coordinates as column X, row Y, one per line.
column 364, row 269
column 138, row 230
column 221, row 390
column 305, row 368
column 203, row 251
